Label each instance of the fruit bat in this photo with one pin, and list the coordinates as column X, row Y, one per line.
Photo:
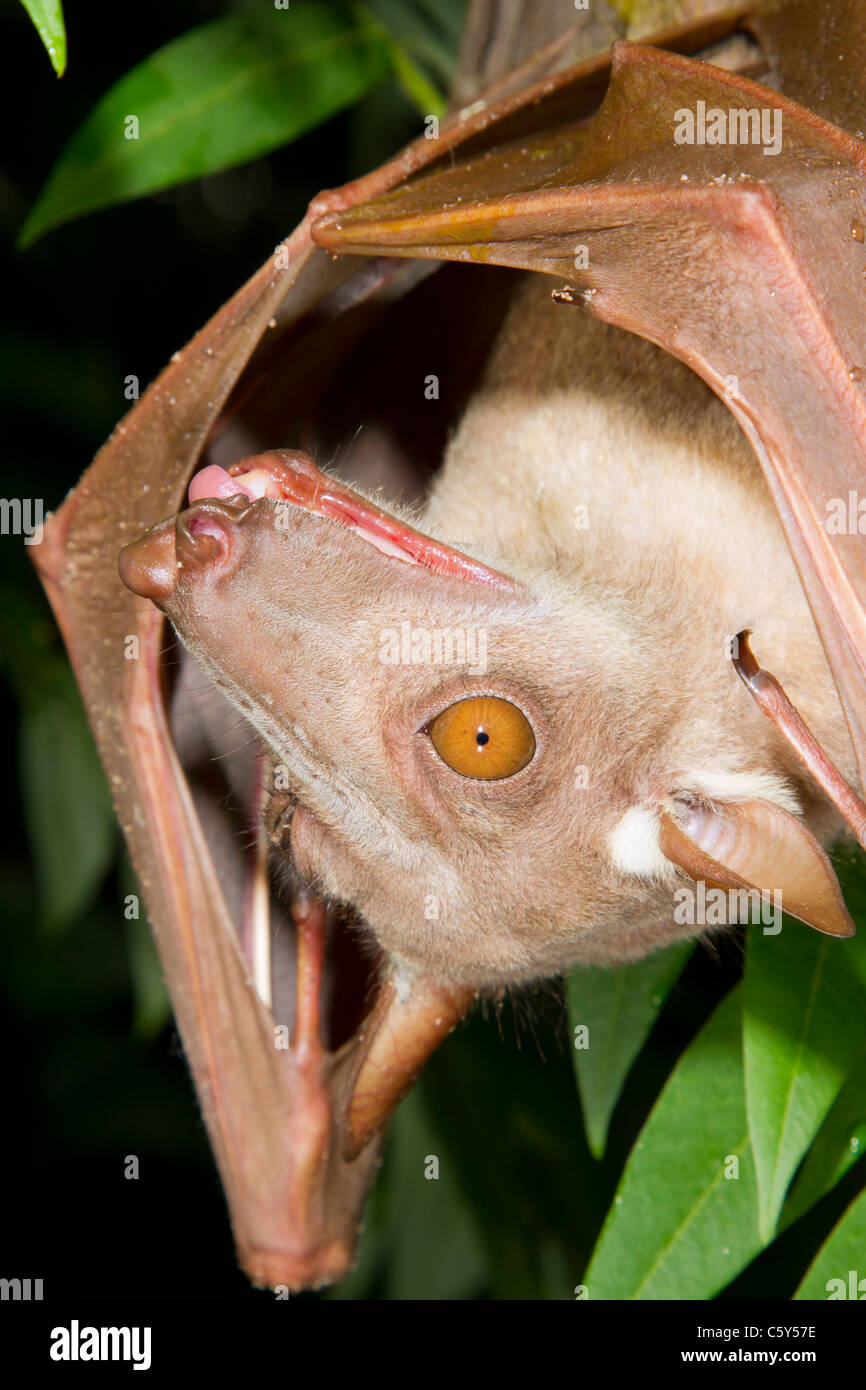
column 488, row 730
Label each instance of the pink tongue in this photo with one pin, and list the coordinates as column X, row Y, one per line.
column 294, row 477
column 214, row 481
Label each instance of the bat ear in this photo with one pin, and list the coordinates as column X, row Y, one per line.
column 757, row 845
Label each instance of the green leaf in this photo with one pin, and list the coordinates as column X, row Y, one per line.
column 843, row 1254
column 436, row 1250
column 840, row 1143
column 424, row 96
column 430, row 32
column 512, row 1138
column 619, row 1008
column 224, row 93
column 679, row 1227
column 408, row 37
column 151, row 1002
column 804, row 1010
column 47, row 16
column 421, row 1239
column 67, row 808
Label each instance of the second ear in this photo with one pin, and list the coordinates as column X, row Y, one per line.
column 757, row 845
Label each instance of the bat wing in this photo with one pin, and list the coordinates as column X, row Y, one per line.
column 289, row 1124
column 725, row 222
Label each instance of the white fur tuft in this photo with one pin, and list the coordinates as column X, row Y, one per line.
column 634, row 844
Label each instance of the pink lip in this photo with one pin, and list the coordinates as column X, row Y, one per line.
column 295, row 478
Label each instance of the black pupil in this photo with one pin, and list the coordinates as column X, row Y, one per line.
column 481, row 738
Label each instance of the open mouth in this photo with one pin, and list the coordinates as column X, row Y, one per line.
column 290, row 476
column 202, row 535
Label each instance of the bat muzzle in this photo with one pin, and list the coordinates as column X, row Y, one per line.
column 204, row 538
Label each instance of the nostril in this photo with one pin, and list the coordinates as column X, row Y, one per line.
column 203, row 539
column 207, row 526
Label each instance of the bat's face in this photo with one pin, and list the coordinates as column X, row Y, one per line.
column 456, row 775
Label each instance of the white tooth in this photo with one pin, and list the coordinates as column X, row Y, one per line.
column 382, row 543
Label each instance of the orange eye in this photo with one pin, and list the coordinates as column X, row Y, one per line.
column 483, row 736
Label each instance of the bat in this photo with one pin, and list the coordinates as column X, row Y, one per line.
column 495, row 732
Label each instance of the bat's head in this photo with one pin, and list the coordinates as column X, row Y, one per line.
column 471, row 761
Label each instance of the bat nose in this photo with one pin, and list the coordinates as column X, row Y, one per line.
column 149, row 565
column 205, row 538
column 201, row 539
